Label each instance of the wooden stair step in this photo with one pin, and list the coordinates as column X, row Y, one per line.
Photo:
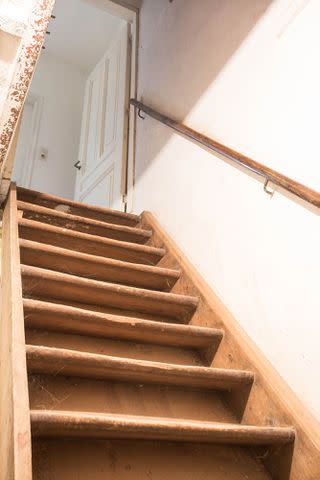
column 96, row 267
column 82, row 224
column 76, row 208
column 46, row 283
column 67, row 319
column 53, row 423
column 87, row 243
column 65, row 362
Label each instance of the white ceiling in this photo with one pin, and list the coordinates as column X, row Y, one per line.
column 80, row 34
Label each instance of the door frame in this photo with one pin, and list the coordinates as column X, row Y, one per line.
column 130, row 15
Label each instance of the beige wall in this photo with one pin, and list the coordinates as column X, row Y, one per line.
column 245, row 72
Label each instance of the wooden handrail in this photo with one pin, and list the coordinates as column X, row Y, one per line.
column 270, row 175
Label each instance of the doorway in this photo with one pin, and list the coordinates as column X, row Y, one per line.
column 85, row 76
column 102, row 160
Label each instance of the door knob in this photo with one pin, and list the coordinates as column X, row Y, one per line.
column 77, row 165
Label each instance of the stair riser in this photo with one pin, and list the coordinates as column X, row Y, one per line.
column 108, row 310
column 87, row 228
column 67, row 206
column 81, row 364
column 117, row 348
column 70, row 241
column 40, row 284
column 60, row 318
column 96, row 268
column 127, row 398
column 141, row 460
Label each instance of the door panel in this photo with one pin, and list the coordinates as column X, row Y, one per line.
column 103, row 137
column 102, row 189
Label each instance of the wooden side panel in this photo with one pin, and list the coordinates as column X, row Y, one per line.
column 15, row 445
column 271, row 401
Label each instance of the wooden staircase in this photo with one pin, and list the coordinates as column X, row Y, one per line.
column 118, row 362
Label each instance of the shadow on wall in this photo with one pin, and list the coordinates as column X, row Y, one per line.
column 202, row 37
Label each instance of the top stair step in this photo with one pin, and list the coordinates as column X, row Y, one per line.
column 77, row 208
column 82, row 224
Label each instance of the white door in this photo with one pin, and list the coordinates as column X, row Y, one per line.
column 103, row 145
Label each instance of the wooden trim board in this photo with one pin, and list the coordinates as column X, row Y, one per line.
column 271, row 401
column 15, row 445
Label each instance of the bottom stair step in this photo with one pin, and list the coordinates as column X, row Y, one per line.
column 48, row 423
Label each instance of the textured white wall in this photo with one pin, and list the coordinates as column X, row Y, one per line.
column 245, row 73
column 62, row 87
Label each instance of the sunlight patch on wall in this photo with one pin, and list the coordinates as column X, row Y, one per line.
column 265, row 101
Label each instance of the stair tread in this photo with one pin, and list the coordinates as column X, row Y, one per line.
column 36, row 197
column 83, row 424
column 39, row 213
column 114, row 288
column 88, row 243
column 76, row 320
column 78, row 363
column 105, row 293
column 95, row 266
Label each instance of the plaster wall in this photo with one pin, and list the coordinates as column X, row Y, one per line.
column 245, row 73
column 62, row 88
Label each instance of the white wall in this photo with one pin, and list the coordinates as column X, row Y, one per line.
column 62, row 87
column 247, row 74
column 81, row 33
